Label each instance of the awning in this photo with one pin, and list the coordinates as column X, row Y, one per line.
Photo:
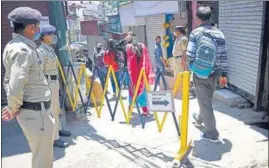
column 127, row 17
column 147, row 8
column 130, row 13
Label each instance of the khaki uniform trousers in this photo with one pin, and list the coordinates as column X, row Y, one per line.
column 177, row 66
column 38, row 128
column 55, row 105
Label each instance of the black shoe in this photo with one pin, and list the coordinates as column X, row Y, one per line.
column 60, row 144
column 64, row 133
column 210, row 138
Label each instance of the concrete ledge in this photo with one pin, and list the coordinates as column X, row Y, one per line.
column 229, row 98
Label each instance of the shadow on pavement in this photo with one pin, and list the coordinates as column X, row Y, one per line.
column 208, row 151
column 135, row 120
column 15, row 143
column 84, row 129
column 245, row 115
column 129, row 148
column 186, row 161
column 13, row 139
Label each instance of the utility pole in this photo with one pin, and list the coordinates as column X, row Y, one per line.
column 57, row 18
column 189, row 9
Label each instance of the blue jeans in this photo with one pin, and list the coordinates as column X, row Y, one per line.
column 102, row 76
column 126, row 76
column 158, row 70
column 118, row 78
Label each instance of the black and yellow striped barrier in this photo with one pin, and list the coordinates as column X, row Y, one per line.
column 182, row 77
column 73, row 100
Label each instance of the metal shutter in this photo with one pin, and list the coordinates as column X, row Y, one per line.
column 154, row 28
column 241, row 23
column 140, row 33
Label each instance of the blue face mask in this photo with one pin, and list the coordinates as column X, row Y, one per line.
column 54, row 39
column 37, row 36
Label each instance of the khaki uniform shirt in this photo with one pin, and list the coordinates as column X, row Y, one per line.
column 24, row 79
column 49, row 58
column 180, row 46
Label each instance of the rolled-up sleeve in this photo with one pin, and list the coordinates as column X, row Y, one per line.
column 19, row 68
column 184, row 44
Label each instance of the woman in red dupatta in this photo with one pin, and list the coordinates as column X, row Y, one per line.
column 138, row 58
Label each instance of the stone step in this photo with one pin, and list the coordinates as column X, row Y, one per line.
column 231, row 99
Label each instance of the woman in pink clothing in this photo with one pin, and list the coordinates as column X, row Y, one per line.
column 138, row 58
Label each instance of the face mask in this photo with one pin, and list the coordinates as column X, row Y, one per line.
column 54, row 39
column 37, row 36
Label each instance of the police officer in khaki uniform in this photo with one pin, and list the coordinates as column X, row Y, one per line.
column 179, row 50
column 50, row 59
column 28, row 92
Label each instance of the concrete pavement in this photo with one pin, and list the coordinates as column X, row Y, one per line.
column 101, row 143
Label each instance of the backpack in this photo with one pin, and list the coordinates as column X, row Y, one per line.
column 206, row 54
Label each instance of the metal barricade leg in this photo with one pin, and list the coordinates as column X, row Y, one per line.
column 134, row 101
column 104, row 93
column 184, row 144
column 66, row 76
column 107, row 100
column 119, row 94
column 63, row 93
column 90, row 90
column 173, row 114
column 81, row 98
column 141, row 118
column 160, row 125
column 119, row 89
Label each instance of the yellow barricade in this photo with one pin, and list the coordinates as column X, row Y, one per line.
column 74, row 100
column 109, row 73
column 185, row 76
column 142, row 76
column 184, row 144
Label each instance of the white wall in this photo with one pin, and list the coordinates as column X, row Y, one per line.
column 154, row 28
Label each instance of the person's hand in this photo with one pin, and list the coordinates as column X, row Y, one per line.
column 223, row 82
column 165, row 62
column 6, row 116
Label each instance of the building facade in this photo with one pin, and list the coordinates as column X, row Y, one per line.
column 243, row 24
column 149, row 24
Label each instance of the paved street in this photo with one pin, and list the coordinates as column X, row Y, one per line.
column 101, row 143
column 55, row 50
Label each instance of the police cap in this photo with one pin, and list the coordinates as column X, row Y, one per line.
column 179, row 28
column 47, row 29
column 25, row 15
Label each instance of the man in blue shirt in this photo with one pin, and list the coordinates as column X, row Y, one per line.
column 158, row 57
column 205, row 86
